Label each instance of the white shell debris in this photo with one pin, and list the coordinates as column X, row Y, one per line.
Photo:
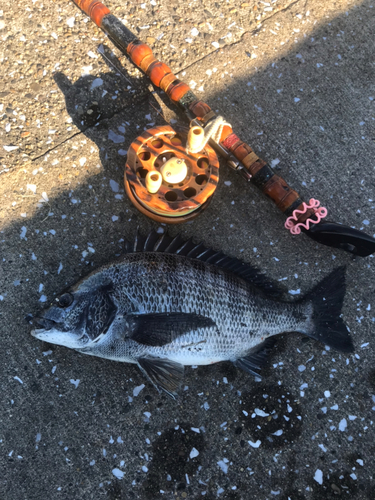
column 256, row 444
column 223, row 466
column 343, row 424
column 114, row 186
column 118, row 473
column 138, row 389
column 318, row 476
column 278, row 433
column 116, row 138
column 70, row 21
column 96, row 83
column 260, row 413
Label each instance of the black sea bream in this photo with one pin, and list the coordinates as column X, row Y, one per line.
column 168, row 303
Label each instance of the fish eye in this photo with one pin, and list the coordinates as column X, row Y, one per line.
column 65, row 300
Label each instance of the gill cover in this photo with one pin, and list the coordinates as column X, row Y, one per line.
column 77, row 318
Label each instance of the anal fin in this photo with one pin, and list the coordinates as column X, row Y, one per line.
column 164, row 374
column 256, row 358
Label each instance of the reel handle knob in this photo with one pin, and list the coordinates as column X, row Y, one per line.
column 195, row 139
column 153, row 181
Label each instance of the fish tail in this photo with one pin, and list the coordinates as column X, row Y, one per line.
column 325, row 323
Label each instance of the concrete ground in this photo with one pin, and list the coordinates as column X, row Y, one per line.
column 296, row 80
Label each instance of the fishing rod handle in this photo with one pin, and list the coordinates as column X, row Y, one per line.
column 140, row 53
column 94, row 9
column 262, row 175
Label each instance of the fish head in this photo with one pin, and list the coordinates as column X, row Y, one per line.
column 76, row 318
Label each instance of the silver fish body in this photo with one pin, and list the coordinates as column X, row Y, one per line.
column 165, row 310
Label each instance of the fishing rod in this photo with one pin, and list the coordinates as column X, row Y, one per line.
column 171, row 175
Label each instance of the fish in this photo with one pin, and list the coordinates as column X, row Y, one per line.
column 166, row 303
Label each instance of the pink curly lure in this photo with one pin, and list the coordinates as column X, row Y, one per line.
column 295, row 228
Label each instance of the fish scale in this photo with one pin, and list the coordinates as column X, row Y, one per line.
column 165, row 310
column 201, row 288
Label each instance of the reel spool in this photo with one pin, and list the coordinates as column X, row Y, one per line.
column 165, row 181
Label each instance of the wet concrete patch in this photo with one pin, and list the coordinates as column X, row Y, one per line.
column 219, row 370
column 338, row 485
column 371, row 378
column 176, row 457
column 272, row 415
column 227, row 495
column 293, row 494
column 115, row 492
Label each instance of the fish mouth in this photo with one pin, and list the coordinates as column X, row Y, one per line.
column 50, row 331
column 42, row 325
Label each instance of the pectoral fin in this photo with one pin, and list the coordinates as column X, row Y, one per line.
column 164, row 374
column 160, row 329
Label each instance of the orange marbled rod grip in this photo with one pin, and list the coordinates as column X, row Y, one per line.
column 93, row 8
column 159, row 73
column 141, row 54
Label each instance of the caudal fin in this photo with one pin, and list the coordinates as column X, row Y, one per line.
column 326, row 325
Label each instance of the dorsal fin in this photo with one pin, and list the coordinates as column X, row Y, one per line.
column 177, row 245
column 151, row 240
column 139, row 242
column 163, row 242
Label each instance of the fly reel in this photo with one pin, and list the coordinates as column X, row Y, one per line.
column 165, row 180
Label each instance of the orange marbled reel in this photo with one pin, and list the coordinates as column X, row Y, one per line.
column 172, row 203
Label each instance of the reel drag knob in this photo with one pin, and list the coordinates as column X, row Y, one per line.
column 174, row 171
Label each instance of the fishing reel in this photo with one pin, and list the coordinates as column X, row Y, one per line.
column 165, row 179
